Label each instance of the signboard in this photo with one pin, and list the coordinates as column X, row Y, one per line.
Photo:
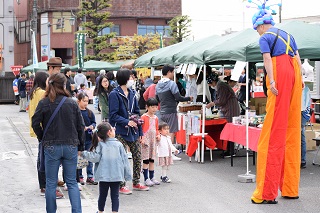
column 44, row 53
column 16, row 69
column 80, row 49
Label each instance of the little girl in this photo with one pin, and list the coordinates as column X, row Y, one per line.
column 150, row 134
column 165, row 149
column 90, row 123
column 111, row 164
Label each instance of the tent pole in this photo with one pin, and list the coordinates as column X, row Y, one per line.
column 152, row 73
column 247, row 178
column 203, row 112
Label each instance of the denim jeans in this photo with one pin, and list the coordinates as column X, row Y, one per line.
column 67, row 156
column 87, row 146
column 103, row 193
column 303, row 139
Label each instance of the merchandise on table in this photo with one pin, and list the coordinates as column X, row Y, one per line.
column 184, row 107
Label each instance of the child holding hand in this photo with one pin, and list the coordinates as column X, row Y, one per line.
column 111, row 164
column 148, row 142
column 165, row 149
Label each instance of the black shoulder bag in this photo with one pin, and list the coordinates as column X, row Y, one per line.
column 264, row 83
column 41, row 164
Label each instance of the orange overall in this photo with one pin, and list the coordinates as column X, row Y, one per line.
column 278, row 161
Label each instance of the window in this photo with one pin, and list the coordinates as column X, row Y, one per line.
column 108, row 30
column 151, row 29
column 24, row 31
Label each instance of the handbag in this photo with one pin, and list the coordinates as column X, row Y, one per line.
column 41, row 164
column 132, row 116
column 22, row 94
column 82, row 163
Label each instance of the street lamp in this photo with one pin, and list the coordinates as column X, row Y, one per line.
column 49, row 35
column 72, row 21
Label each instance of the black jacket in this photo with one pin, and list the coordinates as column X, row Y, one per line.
column 66, row 128
column 68, row 84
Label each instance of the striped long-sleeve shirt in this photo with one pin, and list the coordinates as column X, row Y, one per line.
column 227, row 101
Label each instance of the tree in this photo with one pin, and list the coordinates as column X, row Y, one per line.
column 95, row 20
column 136, row 46
column 179, row 28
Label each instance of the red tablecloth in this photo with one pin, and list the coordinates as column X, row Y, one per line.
column 212, row 127
column 237, row 133
column 193, row 143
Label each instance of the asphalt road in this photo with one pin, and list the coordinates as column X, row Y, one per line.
column 195, row 188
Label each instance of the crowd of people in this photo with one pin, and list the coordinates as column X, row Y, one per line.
column 138, row 116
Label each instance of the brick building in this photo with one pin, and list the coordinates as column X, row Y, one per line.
column 129, row 18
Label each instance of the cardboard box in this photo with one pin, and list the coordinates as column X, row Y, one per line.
column 311, row 144
column 262, row 108
column 256, row 103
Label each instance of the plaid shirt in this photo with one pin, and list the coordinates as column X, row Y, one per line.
column 29, row 85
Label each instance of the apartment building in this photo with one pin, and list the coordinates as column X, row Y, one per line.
column 56, row 24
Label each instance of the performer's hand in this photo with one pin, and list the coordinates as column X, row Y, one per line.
column 273, row 88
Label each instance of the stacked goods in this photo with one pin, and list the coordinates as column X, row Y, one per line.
column 189, row 107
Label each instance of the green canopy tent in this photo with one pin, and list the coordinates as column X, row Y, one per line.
column 245, row 47
column 94, row 65
column 194, row 53
column 41, row 66
column 166, row 57
column 147, row 60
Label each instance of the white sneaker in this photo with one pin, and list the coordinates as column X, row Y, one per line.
column 155, row 182
column 148, row 182
column 175, row 158
column 129, row 155
column 80, row 187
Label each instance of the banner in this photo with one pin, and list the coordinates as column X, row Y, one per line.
column 80, row 49
column 161, row 41
column 44, row 53
column 34, row 47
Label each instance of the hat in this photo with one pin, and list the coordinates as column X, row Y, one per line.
column 212, row 77
column 147, row 83
column 263, row 15
column 55, row 62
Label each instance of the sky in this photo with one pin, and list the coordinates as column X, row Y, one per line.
column 211, row 17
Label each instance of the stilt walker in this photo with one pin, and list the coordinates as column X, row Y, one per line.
column 278, row 164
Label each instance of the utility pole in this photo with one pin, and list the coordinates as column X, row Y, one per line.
column 280, row 9
column 34, row 24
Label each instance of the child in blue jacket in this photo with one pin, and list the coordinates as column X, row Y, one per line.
column 111, row 164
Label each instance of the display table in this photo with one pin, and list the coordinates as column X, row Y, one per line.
column 213, row 127
column 237, row 133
